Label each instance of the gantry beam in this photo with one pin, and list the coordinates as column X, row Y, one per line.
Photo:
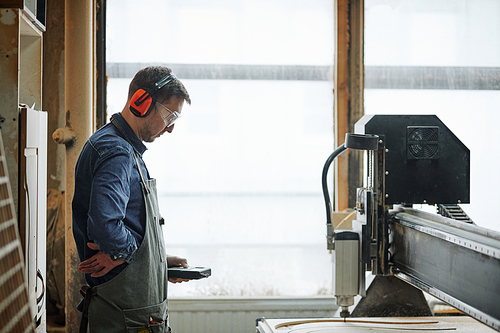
column 454, row 261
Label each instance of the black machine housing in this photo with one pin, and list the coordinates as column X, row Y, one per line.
column 424, row 162
column 418, row 161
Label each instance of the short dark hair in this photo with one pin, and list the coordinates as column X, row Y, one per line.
column 148, row 76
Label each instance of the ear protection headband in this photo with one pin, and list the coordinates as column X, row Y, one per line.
column 144, row 99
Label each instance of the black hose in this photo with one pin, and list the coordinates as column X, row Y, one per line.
column 328, row 162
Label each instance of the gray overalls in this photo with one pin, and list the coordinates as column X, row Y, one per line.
column 136, row 299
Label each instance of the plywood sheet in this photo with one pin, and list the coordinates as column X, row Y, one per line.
column 420, row 324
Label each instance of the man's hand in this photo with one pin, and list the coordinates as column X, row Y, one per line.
column 173, row 261
column 99, row 264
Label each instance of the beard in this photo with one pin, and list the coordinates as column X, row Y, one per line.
column 146, row 133
column 152, row 129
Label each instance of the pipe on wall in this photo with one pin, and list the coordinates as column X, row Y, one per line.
column 79, row 106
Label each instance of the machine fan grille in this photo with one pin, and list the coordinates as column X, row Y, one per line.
column 423, row 142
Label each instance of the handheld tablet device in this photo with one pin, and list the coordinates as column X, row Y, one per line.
column 190, row 273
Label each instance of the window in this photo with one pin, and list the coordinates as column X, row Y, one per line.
column 240, row 178
column 442, row 58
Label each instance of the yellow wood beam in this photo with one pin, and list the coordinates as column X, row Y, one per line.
column 349, row 86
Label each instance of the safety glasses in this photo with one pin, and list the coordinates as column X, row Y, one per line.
column 169, row 117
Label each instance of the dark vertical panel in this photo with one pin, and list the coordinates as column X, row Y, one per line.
column 101, row 77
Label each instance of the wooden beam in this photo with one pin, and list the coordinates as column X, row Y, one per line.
column 11, row 3
column 349, row 86
column 53, row 90
column 341, row 100
column 79, row 105
column 10, row 43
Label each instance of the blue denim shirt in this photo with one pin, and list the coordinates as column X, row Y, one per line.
column 108, row 205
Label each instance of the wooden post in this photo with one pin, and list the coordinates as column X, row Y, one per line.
column 349, row 86
column 79, row 105
column 10, row 67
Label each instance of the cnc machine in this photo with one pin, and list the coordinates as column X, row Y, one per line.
column 409, row 160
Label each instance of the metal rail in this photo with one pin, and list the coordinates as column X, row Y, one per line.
column 376, row 77
column 456, row 262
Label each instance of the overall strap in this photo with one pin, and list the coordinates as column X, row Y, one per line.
column 143, row 179
column 87, row 292
column 141, row 173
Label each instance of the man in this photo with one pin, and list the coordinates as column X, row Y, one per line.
column 116, row 221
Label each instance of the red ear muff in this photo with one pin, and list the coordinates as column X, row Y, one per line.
column 144, row 100
column 141, row 103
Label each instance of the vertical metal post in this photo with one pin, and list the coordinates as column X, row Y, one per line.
column 381, row 227
column 79, row 106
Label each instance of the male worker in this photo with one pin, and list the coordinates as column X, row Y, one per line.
column 116, row 222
